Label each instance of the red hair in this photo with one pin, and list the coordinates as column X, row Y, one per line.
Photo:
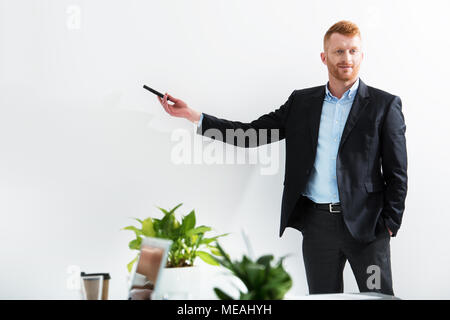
column 346, row 28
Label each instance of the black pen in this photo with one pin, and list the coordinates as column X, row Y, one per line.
column 159, row 94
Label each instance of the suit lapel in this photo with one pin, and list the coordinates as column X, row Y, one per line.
column 315, row 112
column 360, row 102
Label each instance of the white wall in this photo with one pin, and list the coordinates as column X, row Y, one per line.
column 83, row 147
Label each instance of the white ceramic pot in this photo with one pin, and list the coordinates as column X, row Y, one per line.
column 187, row 283
column 178, row 283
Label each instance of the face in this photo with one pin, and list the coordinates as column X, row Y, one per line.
column 343, row 56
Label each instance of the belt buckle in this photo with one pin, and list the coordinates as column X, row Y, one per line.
column 331, row 208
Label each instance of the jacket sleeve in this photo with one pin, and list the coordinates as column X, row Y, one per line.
column 394, row 165
column 266, row 129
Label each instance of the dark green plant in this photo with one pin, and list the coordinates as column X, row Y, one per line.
column 263, row 280
column 188, row 241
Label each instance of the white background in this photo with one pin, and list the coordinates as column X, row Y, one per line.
column 83, row 148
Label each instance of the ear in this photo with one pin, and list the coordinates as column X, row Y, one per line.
column 323, row 57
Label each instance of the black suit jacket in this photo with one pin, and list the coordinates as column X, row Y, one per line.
column 371, row 164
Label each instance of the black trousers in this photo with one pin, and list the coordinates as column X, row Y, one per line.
column 327, row 245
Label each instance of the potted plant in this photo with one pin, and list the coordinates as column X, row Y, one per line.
column 188, row 243
column 263, row 280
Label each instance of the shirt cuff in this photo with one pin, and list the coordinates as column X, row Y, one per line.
column 199, row 123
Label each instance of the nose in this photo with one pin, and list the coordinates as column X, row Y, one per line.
column 347, row 57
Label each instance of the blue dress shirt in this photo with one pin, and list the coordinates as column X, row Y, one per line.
column 322, row 185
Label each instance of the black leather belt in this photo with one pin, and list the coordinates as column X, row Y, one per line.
column 334, row 208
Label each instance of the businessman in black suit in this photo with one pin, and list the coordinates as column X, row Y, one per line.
column 345, row 179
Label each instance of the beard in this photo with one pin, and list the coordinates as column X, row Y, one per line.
column 342, row 74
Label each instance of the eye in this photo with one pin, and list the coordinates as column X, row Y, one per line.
column 339, row 51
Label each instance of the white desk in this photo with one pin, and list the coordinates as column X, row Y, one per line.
column 343, row 296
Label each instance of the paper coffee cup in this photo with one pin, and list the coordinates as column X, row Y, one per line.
column 91, row 283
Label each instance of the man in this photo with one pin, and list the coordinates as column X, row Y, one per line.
column 346, row 167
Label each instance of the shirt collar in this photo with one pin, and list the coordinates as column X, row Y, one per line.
column 350, row 92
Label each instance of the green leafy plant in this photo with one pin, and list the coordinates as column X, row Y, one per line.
column 188, row 241
column 263, row 280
